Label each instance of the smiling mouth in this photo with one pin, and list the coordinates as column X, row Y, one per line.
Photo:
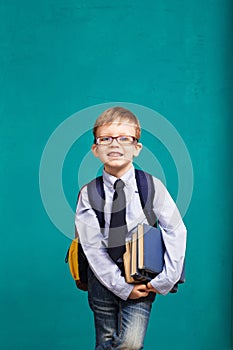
column 115, row 154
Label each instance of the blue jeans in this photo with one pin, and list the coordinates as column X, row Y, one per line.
column 119, row 324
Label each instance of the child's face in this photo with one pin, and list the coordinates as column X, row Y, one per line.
column 117, row 158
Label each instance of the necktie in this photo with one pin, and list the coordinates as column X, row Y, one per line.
column 118, row 227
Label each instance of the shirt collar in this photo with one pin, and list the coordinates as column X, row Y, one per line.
column 109, row 180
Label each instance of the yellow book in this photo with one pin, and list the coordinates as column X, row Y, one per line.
column 127, row 263
column 134, row 271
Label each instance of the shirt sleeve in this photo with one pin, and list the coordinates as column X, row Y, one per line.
column 174, row 236
column 93, row 244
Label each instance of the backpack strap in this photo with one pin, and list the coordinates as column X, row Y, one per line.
column 146, row 190
column 96, row 195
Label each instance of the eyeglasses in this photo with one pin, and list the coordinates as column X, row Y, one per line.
column 122, row 140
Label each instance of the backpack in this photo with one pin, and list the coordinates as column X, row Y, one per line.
column 76, row 258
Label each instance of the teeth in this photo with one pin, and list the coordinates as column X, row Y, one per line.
column 115, row 154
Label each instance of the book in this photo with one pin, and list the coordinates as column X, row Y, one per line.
column 134, row 272
column 144, row 256
column 150, row 249
column 133, row 262
column 127, row 263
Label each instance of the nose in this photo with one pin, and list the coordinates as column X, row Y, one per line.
column 114, row 143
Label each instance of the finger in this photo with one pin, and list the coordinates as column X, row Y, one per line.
column 143, row 290
column 144, row 294
column 142, row 287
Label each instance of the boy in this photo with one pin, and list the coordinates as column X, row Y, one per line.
column 122, row 310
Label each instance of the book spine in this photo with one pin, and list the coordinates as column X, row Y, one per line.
column 133, row 267
column 140, row 246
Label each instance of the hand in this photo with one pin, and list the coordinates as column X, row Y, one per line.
column 139, row 290
column 150, row 288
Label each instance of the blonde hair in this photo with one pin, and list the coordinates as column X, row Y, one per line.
column 119, row 115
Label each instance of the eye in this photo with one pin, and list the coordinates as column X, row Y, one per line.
column 105, row 139
column 125, row 139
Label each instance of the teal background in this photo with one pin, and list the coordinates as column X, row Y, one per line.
column 60, row 56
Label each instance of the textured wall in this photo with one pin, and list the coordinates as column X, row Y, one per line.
column 60, row 56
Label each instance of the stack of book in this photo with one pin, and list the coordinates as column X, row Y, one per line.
column 144, row 256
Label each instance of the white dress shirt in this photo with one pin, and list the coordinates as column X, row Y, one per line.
column 95, row 243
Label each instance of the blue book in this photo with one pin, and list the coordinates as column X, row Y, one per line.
column 150, row 249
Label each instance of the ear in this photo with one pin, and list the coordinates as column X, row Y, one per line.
column 137, row 149
column 94, row 149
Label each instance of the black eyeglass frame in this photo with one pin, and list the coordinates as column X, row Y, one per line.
column 135, row 140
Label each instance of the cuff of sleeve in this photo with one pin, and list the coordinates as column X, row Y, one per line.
column 124, row 291
column 163, row 286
